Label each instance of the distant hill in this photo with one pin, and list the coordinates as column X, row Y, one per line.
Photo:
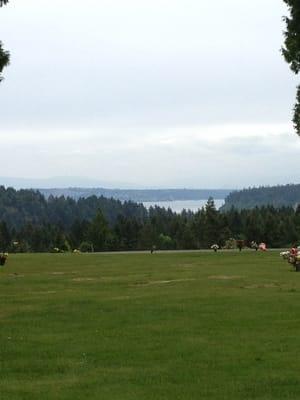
column 277, row 196
column 138, row 195
column 60, row 182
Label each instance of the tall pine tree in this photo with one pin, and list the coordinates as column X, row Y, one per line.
column 4, row 55
column 291, row 50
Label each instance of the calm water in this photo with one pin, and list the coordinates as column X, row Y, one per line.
column 179, row 205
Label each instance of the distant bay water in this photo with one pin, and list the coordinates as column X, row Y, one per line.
column 179, row 205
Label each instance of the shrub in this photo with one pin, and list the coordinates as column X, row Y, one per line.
column 86, row 247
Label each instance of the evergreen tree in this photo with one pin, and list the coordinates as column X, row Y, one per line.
column 197, row 226
column 254, row 227
column 148, row 236
column 4, row 55
column 272, row 234
column 211, row 224
column 98, row 232
column 291, row 50
column 5, row 237
column 127, row 232
column 78, row 232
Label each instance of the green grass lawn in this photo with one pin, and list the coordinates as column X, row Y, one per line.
column 140, row 326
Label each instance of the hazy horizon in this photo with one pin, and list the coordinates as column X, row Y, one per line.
column 62, row 182
column 65, row 182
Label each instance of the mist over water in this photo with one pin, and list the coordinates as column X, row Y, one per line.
column 179, row 205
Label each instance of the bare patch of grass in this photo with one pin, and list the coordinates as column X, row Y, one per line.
column 83, row 279
column 15, row 275
column 45, row 292
column 225, row 277
column 162, row 282
column 58, row 273
column 262, row 286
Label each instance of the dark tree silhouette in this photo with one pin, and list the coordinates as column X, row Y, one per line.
column 4, row 55
column 4, row 59
column 291, row 50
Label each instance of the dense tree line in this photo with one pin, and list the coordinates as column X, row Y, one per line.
column 277, row 196
column 30, row 222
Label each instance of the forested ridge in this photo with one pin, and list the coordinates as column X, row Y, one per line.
column 25, row 206
column 30, row 222
column 277, row 196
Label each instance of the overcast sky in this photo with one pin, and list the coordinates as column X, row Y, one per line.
column 160, row 93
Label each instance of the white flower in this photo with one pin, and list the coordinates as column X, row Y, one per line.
column 285, row 255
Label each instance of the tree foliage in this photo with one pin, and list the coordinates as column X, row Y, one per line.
column 291, row 50
column 296, row 118
column 4, row 60
column 4, row 55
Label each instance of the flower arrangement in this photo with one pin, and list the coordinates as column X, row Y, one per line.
column 254, row 245
column 215, row 247
column 262, row 247
column 285, row 255
column 292, row 256
column 57, row 250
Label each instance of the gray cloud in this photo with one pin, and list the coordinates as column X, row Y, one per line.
column 157, row 93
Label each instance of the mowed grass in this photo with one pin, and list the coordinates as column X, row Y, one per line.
column 140, row 326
